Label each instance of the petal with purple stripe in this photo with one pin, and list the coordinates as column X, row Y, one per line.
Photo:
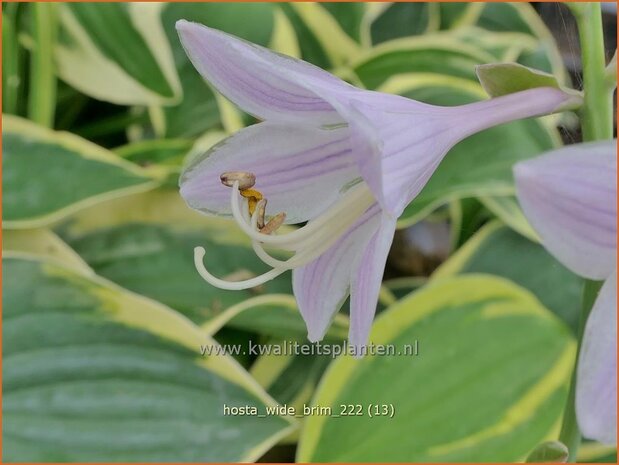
column 366, row 282
column 321, row 287
column 300, row 170
column 263, row 83
column 570, row 198
column 596, row 384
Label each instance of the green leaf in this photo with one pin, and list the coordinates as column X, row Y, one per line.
column 506, row 78
column 467, row 216
column 117, row 52
column 45, row 244
column 145, row 243
column 291, row 378
column 458, row 14
column 168, row 152
column 92, row 373
column 311, row 48
column 48, row 175
column 549, row 451
column 505, row 17
column 497, row 250
column 506, row 208
column 455, row 177
column 436, row 54
column 273, row 315
column 501, row 17
column 478, row 391
column 198, row 111
column 348, row 15
column 405, row 19
column 337, row 45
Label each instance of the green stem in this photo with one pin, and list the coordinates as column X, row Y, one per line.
column 597, row 110
column 11, row 79
column 42, row 97
column 570, row 434
column 596, row 117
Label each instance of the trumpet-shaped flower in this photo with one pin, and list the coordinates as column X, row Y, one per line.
column 345, row 160
column 570, row 198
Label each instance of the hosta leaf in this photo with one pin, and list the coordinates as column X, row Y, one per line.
column 311, row 48
column 44, row 243
column 477, row 392
column 290, row 378
column 48, row 175
column 339, row 47
column 506, row 208
column 169, row 152
column 458, row 14
column 436, row 54
column 504, row 17
column 348, row 15
column 500, row 251
column 405, row 19
column 117, row 52
column 505, row 78
column 93, row 373
column 273, row 315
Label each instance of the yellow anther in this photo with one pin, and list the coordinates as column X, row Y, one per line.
column 253, row 197
column 249, row 193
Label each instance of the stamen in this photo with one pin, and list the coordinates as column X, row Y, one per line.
column 198, row 257
column 341, row 215
column 310, row 250
column 273, row 224
column 246, row 180
column 251, row 193
column 261, row 210
column 253, row 197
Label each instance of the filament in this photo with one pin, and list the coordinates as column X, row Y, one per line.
column 198, row 259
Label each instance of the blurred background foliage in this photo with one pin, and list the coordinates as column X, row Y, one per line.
column 104, row 313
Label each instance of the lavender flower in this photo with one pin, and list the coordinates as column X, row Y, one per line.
column 570, row 198
column 345, row 160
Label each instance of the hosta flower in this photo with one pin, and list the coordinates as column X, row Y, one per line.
column 570, row 198
column 345, row 160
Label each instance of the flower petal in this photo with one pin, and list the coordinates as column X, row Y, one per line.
column 596, row 385
column 366, row 282
column 399, row 142
column 261, row 82
column 321, row 287
column 300, row 170
column 570, row 198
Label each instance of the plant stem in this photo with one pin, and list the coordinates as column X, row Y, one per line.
column 42, row 97
column 11, row 78
column 570, row 434
column 597, row 110
column 596, row 119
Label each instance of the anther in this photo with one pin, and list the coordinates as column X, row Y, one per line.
column 261, row 208
column 253, row 197
column 246, row 180
column 249, row 193
column 274, row 223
